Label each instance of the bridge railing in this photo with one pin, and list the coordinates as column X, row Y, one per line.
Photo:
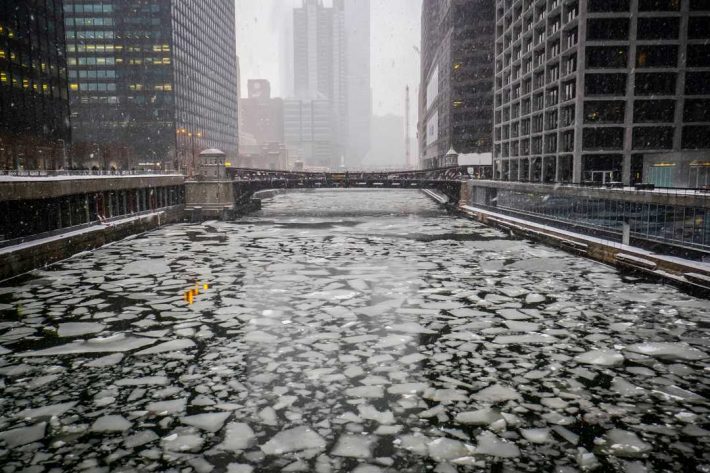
column 261, row 175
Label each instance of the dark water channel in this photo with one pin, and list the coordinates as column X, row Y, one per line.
column 348, row 331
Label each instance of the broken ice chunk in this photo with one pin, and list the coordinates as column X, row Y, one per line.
column 239, row 436
column 182, row 442
column 112, row 423
column 115, row 343
column 210, row 422
column 294, row 440
column 496, row 393
column 167, row 407
column 46, row 411
column 368, row 412
column 480, row 417
column 140, row 438
column 172, row 345
column 78, row 329
column 623, row 443
column 447, row 449
column 537, row 435
column 370, row 392
column 490, row 444
column 601, row 358
column 23, row 435
column 105, row 361
column 354, row 446
column 668, row 351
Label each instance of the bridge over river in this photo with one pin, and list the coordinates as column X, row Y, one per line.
column 361, row 330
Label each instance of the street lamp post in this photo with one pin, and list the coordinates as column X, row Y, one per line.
column 192, row 135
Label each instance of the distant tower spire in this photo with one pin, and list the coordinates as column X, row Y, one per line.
column 407, row 144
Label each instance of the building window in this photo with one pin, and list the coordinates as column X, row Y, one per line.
column 654, row 111
column 551, row 120
column 600, row 29
column 698, row 55
column 567, row 141
column 698, row 27
column 607, row 57
column 657, row 56
column 605, row 84
column 567, row 115
column 537, row 123
column 653, row 137
column 660, row 83
column 697, row 83
column 601, row 6
column 696, row 110
column 658, row 28
column 604, row 111
column 696, row 137
column 570, row 89
column 659, row 5
column 602, row 138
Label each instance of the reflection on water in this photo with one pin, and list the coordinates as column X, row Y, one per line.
column 190, row 294
column 348, row 331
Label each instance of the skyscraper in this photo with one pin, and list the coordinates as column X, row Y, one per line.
column 603, row 92
column 456, row 88
column 356, row 14
column 34, row 108
column 151, row 82
column 332, row 63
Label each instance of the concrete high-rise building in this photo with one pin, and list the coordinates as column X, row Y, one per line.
column 356, row 15
column 456, row 88
column 603, row 91
column 331, row 63
column 262, row 122
column 308, row 132
column 34, row 107
column 152, row 82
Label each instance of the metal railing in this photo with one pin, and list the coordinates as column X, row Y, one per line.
column 97, row 173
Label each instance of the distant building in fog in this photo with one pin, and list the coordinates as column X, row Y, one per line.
column 152, row 83
column 457, row 71
column 308, row 132
column 34, row 107
column 331, row 63
column 262, row 115
column 261, row 118
column 603, row 92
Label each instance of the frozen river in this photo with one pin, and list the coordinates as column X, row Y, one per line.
column 349, row 331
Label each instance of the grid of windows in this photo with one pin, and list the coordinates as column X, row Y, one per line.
column 634, row 82
column 34, row 112
column 457, row 65
column 150, row 81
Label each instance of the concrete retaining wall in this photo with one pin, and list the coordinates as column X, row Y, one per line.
column 19, row 259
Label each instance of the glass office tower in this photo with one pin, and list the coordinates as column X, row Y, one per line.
column 152, row 83
column 34, row 108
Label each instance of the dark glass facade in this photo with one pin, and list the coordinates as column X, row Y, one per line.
column 457, row 64
column 152, row 83
column 34, row 112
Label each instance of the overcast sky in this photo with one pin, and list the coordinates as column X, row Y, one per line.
column 263, row 32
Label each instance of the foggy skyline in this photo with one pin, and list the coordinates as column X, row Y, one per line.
column 264, row 35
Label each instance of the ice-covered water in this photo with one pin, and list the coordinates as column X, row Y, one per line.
column 349, row 331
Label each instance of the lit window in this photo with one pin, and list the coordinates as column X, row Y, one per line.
column 74, row 87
